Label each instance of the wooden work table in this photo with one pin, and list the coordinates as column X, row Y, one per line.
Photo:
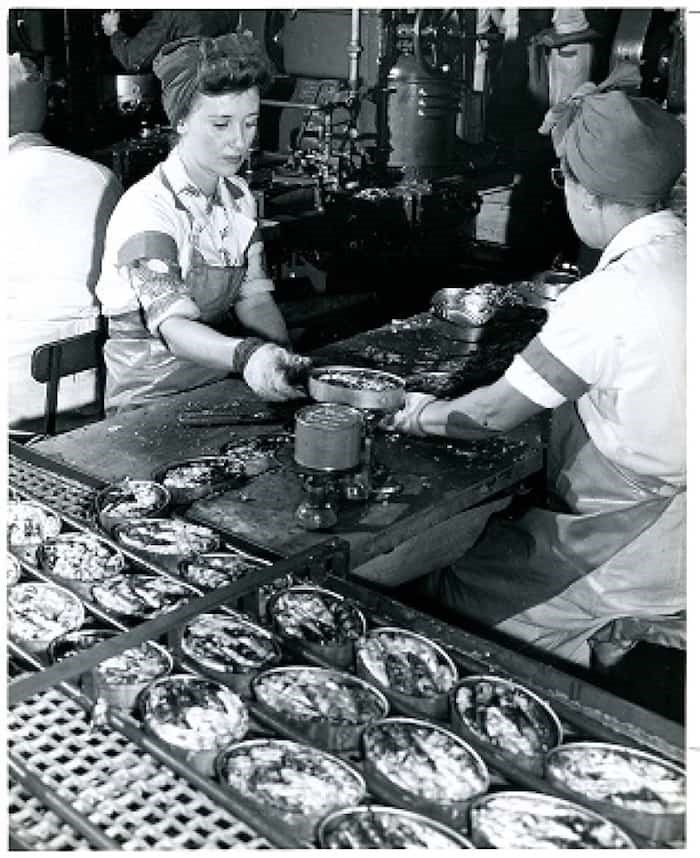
column 448, row 489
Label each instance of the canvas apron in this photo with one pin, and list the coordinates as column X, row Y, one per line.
column 611, row 545
column 140, row 367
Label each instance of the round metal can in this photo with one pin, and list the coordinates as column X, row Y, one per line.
column 328, row 437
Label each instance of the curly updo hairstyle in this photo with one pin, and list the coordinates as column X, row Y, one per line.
column 234, row 62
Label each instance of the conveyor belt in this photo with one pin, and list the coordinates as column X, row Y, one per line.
column 114, row 787
column 121, row 797
column 65, row 489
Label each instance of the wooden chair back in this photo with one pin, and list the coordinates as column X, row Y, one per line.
column 53, row 361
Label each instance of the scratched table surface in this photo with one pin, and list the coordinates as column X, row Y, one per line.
column 440, row 357
column 445, row 486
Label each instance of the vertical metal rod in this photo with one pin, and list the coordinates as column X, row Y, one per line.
column 354, row 50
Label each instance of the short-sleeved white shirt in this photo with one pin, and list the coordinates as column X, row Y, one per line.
column 164, row 216
column 57, row 205
column 615, row 343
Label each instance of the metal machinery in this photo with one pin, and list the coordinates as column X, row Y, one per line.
column 423, row 71
column 652, row 39
column 369, row 141
column 385, row 147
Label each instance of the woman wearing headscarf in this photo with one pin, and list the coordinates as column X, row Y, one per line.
column 610, row 362
column 183, row 248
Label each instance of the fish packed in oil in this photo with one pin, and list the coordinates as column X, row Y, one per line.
column 168, row 536
column 73, row 643
column 212, row 571
column 317, row 616
column 81, row 557
column 138, row 664
column 41, row 612
column 406, row 663
column 513, row 820
column 376, row 828
column 633, row 781
column 28, row 525
column 257, row 454
column 506, row 716
column 196, row 473
column 226, row 642
column 358, row 379
column 141, row 595
column 290, row 777
column 132, row 499
column 424, row 760
column 194, row 713
column 318, row 694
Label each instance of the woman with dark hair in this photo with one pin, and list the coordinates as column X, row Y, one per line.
column 183, row 248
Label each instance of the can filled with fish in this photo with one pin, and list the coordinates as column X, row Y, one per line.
column 328, row 437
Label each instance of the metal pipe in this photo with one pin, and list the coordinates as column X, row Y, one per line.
column 296, row 105
column 354, row 50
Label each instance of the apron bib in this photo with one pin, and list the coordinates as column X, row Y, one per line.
column 140, row 367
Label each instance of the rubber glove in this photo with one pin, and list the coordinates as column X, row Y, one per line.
column 275, row 374
column 408, row 419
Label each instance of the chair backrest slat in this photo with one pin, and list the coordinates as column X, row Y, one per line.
column 53, row 361
column 78, row 353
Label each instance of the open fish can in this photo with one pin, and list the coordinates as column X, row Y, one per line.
column 80, row 561
column 167, row 541
column 420, row 766
column 325, row 707
column 412, row 671
column 319, row 620
column 380, row 827
column 535, row 820
column 191, row 479
column 120, row 679
column 129, row 499
column 28, row 525
column 641, row 791
column 505, row 721
column 37, row 613
column 258, row 453
column 370, row 389
column 212, row 570
column 314, row 782
column 141, row 596
column 227, row 647
column 195, row 716
column 73, row 643
column 328, row 437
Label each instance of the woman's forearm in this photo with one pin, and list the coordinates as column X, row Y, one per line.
column 261, row 315
column 496, row 408
column 199, row 343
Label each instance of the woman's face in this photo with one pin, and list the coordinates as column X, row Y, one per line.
column 217, row 133
column 585, row 215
